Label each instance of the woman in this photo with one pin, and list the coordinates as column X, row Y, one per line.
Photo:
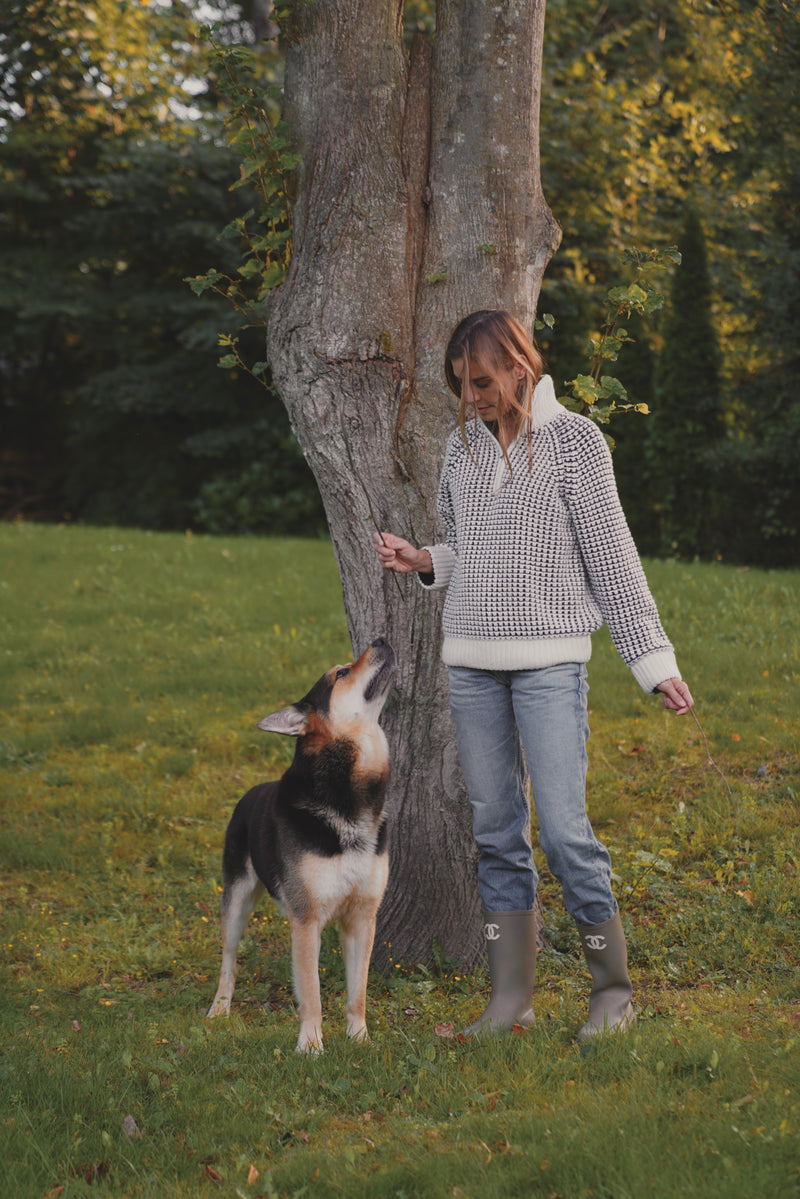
column 537, row 556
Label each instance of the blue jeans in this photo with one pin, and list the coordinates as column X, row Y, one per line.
column 498, row 714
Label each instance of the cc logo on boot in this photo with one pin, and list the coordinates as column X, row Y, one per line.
column 595, row 942
column 491, row 932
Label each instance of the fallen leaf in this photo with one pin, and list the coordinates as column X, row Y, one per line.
column 76, row 1024
column 448, row 1031
column 212, row 1174
column 131, row 1129
column 97, row 1170
column 252, row 1176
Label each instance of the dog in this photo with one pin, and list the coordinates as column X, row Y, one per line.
column 316, row 839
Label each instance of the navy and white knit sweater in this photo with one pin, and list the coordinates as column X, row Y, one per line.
column 538, row 558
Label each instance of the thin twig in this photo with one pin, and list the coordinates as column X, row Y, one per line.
column 711, row 762
column 358, row 479
column 380, row 534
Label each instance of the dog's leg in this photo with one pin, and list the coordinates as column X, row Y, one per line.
column 238, row 900
column 306, row 939
column 357, row 934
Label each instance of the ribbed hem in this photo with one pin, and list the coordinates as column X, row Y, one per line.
column 655, row 668
column 515, row 653
column 444, row 564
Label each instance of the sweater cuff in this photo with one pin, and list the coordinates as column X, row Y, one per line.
column 655, row 668
column 444, row 563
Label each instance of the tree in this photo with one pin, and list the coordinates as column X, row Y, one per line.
column 688, row 422
column 417, row 199
column 635, row 367
column 114, row 180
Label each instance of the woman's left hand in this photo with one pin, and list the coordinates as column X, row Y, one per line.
column 676, row 695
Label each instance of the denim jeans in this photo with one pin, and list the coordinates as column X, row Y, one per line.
column 498, row 714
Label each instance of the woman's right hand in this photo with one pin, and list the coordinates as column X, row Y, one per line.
column 401, row 556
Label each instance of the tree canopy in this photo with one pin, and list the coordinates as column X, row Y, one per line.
column 115, row 174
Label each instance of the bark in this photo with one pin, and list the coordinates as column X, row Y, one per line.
column 411, row 169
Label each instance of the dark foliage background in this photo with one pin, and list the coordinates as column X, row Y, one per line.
column 661, row 124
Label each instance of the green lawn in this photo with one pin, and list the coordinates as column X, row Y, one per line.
column 134, row 667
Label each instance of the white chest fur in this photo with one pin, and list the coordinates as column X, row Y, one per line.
column 356, row 874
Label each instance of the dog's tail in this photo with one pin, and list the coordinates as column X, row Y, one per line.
column 236, row 851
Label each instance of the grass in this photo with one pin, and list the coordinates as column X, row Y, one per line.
column 134, row 668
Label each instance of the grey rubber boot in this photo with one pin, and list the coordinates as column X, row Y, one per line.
column 607, row 958
column 511, row 945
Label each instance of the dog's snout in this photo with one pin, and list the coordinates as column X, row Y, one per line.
column 383, row 650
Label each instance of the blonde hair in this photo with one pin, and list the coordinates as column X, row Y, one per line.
column 495, row 340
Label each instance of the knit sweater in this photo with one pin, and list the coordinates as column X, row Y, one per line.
column 538, row 557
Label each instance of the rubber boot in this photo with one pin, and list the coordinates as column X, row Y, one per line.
column 607, row 958
column 511, row 945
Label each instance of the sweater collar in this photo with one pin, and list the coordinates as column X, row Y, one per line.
column 544, row 407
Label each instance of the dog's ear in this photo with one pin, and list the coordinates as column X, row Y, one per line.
column 291, row 721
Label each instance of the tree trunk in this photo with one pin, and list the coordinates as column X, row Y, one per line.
column 417, row 201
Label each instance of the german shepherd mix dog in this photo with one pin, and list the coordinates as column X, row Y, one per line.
column 316, row 838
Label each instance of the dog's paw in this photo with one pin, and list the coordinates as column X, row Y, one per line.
column 220, row 1007
column 309, row 1048
column 310, row 1039
column 358, row 1033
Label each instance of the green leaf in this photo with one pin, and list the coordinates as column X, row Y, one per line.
column 584, row 388
column 250, row 269
column 653, row 302
column 602, row 413
column 272, row 277
column 200, row 283
column 611, row 389
column 632, row 296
